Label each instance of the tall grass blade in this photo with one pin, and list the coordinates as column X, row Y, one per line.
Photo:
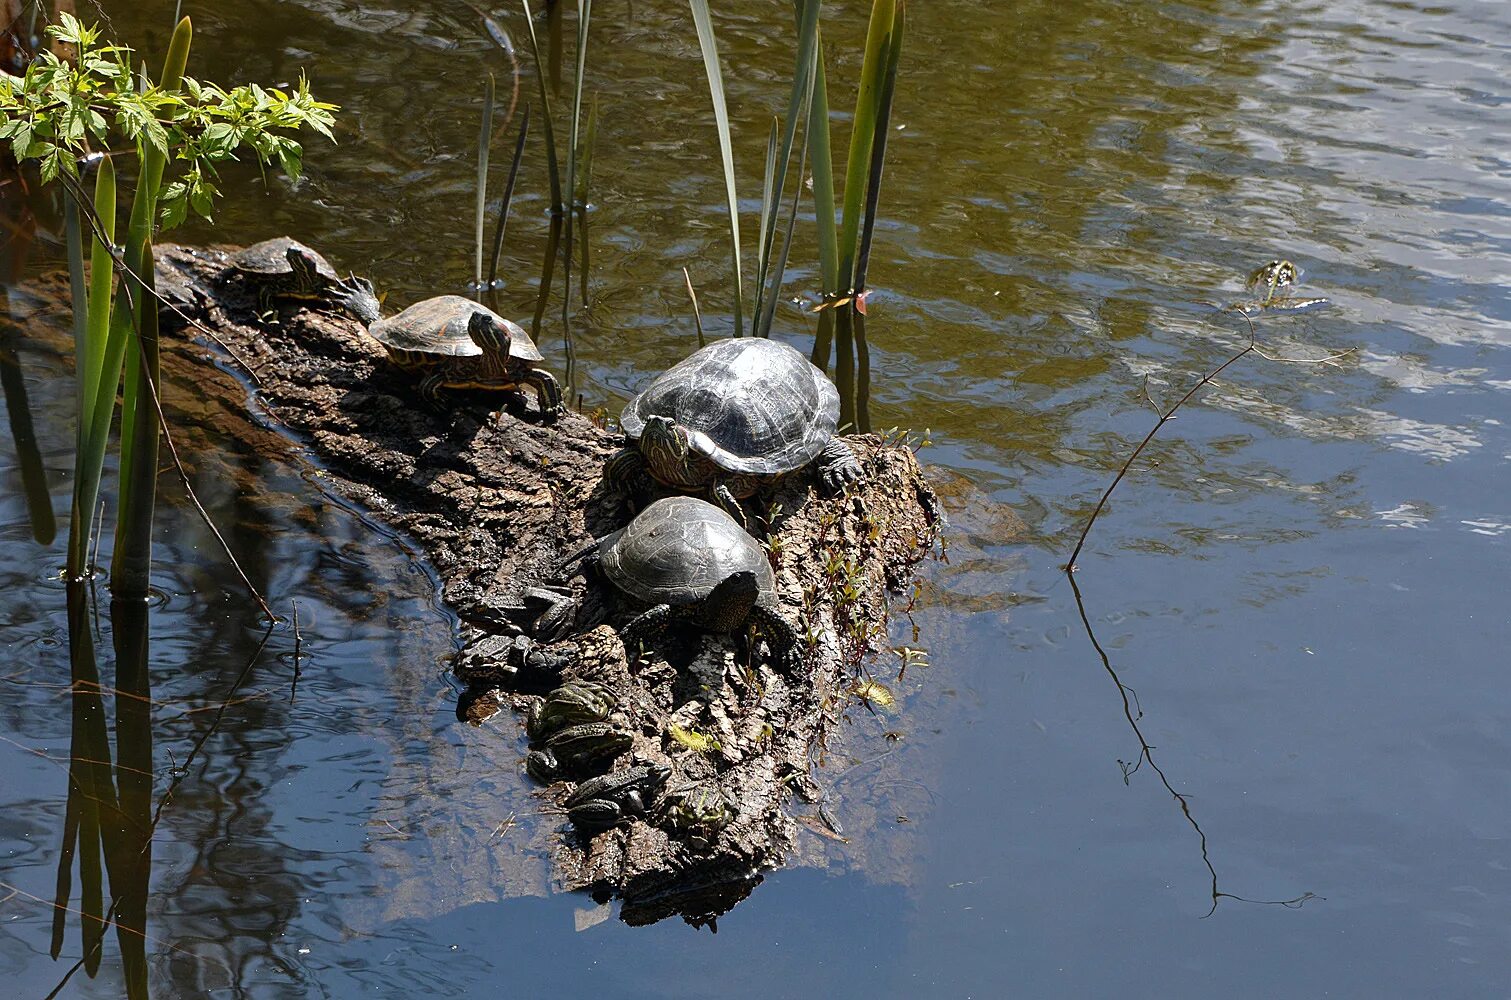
column 549, row 133
column 101, row 286
column 862, row 132
column 797, row 103
column 100, row 373
column 585, row 189
column 766, row 319
column 823, row 176
column 768, row 188
column 131, row 564
column 484, row 141
column 584, row 15
column 710, row 49
column 548, row 268
column 879, row 147
column 139, row 427
column 503, row 211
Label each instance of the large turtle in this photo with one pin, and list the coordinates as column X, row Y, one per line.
column 458, row 344
column 692, row 563
column 284, row 268
column 732, row 417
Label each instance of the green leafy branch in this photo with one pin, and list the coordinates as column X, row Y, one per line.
column 60, row 111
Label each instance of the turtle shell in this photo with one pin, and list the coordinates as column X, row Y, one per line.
column 439, row 326
column 678, row 550
column 753, row 405
column 270, row 257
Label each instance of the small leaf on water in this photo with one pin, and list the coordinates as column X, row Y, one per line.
column 876, row 693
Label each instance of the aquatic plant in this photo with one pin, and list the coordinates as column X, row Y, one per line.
column 61, row 114
column 58, row 114
column 844, row 230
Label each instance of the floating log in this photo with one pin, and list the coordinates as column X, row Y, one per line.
column 498, row 500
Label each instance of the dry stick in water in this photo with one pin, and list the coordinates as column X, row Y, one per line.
column 298, row 641
column 697, row 315
column 1130, row 711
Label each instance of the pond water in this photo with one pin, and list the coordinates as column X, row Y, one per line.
column 1302, row 579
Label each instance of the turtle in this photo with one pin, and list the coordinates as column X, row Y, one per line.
column 692, row 563
column 284, row 268
column 731, row 418
column 457, row 343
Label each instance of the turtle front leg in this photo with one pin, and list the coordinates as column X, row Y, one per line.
column 837, row 467
column 547, row 391
column 645, row 627
column 781, row 638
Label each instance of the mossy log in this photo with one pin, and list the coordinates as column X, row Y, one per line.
column 497, row 499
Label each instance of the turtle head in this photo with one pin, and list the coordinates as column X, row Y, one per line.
column 489, row 334
column 663, row 443
column 357, row 297
column 728, row 606
column 307, row 276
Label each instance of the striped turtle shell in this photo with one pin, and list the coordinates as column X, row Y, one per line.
column 439, row 326
column 270, row 258
column 678, row 550
column 759, row 406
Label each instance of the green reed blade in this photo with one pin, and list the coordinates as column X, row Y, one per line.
column 584, row 15
column 484, row 140
column 138, row 427
column 503, row 211
column 100, row 375
column 797, row 103
column 584, row 189
column 101, row 285
column 547, row 131
column 131, row 563
column 764, row 329
column 863, row 131
column 879, row 146
column 768, row 187
column 710, row 49
column 823, row 175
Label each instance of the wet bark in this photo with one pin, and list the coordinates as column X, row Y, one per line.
column 497, row 500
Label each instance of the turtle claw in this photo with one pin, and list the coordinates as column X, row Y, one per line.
column 838, row 468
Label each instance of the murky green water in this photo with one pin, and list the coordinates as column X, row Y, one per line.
column 1303, row 582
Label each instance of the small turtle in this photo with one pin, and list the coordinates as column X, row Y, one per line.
column 693, row 563
column 284, row 268
column 734, row 416
column 458, row 344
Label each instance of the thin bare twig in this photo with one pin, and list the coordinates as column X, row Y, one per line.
column 298, row 640
column 697, row 314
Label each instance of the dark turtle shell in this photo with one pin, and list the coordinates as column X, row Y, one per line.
column 678, row 550
column 439, row 326
column 759, row 405
column 270, row 258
